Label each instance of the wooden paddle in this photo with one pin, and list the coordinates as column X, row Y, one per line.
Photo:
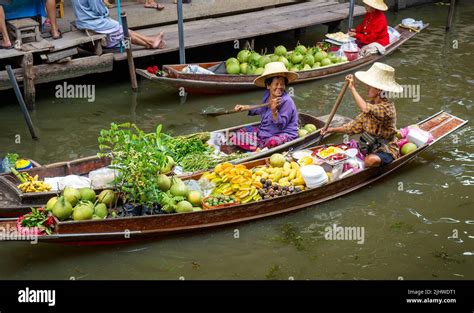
column 218, row 113
column 317, row 140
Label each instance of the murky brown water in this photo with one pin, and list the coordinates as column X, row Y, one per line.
column 408, row 233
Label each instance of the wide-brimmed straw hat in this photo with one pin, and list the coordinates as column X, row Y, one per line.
column 376, row 4
column 274, row 69
column 380, row 76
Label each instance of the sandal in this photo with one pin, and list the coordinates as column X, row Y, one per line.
column 58, row 37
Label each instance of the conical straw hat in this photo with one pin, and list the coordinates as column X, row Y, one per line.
column 376, row 4
column 274, row 69
column 380, row 76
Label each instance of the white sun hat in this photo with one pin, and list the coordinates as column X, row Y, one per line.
column 380, row 76
column 376, row 4
column 274, row 69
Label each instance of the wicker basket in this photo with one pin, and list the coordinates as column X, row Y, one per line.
column 206, row 207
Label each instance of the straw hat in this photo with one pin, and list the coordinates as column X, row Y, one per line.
column 380, row 76
column 274, row 69
column 376, row 4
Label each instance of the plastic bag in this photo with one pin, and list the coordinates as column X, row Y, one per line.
column 103, row 177
column 196, row 69
column 74, row 181
column 350, row 46
column 393, row 34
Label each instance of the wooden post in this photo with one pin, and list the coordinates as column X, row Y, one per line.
column 128, row 48
column 396, row 6
column 350, row 22
column 450, row 15
column 29, row 81
column 182, row 53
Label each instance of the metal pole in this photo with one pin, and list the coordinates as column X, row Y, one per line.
column 182, row 53
column 450, row 15
column 351, row 14
column 21, row 101
column 128, row 49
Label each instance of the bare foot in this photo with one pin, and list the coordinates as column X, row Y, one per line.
column 154, row 5
column 6, row 44
column 162, row 44
column 158, row 41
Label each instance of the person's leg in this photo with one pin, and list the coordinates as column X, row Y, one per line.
column 146, row 41
column 3, row 29
column 378, row 159
column 372, row 160
column 51, row 11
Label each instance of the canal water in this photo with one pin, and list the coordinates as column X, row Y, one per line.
column 418, row 223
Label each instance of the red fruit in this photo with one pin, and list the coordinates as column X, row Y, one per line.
column 155, row 68
column 49, row 221
column 149, row 70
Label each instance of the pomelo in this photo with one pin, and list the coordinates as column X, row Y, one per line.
column 72, row 195
column 277, row 160
column 87, row 194
column 408, row 148
column 184, row 207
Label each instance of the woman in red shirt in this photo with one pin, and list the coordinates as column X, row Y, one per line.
column 374, row 27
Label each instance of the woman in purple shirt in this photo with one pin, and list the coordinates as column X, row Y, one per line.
column 279, row 122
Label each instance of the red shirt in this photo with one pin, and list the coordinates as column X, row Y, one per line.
column 373, row 29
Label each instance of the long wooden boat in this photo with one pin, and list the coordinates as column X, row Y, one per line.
column 15, row 202
column 129, row 229
column 225, row 83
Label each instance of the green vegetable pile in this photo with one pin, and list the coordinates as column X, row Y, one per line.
column 140, row 157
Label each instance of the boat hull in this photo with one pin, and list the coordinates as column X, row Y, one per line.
column 130, row 229
column 223, row 83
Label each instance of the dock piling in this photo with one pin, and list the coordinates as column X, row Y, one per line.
column 182, row 53
column 21, row 101
column 128, row 49
column 450, row 15
column 29, row 81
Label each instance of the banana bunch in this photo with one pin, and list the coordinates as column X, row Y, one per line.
column 287, row 175
column 234, row 180
column 32, row 184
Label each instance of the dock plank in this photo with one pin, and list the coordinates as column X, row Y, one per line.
column 247, row 25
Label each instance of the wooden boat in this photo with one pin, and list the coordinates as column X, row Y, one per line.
column 225, row 83
column 129, row 229
column 17, row 199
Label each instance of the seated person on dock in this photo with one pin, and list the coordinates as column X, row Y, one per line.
column 378, row 116
column 374, row 27
column 279, row 120
column 93, row 15
column 6, row 43
column 21, row 10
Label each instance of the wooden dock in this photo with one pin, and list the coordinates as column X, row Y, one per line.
column 78, row 54
column 247, row 25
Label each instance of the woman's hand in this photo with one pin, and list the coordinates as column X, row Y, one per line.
column 350, row 79
column 239, row 107
column 327, row 131
column 351, row 34
column 274, row 104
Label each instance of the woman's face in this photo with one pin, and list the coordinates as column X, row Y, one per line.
column 277, row 87
column 372, row 92
column 369, row 9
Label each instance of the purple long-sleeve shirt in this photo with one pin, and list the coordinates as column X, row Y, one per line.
column 286, row 123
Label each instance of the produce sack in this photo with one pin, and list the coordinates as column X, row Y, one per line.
column 103, row 177
column 74, row 181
